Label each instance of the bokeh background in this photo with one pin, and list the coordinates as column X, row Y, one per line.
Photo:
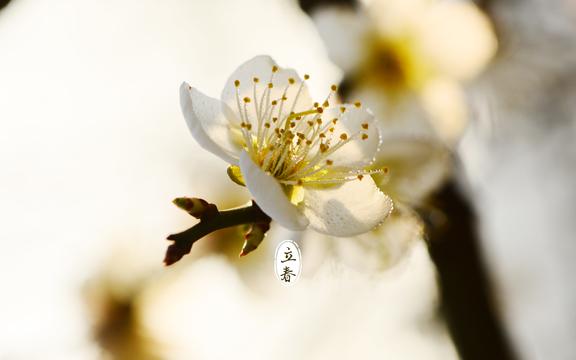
column 93, row 148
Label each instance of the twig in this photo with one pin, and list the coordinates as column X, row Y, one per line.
column 184, row 240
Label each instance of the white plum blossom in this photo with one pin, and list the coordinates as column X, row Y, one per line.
column 306, row 164
column 411, row 56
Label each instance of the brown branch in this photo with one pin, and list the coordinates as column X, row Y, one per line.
column 465, row 293
column 309, row 6
column 184, row 240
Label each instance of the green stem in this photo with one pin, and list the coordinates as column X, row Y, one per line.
column 184, row 240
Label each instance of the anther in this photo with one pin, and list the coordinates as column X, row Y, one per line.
column 246, row 99
column 322, row 135
column 291, row 81
column 274, row 119
column 274, row 68
column 334, row 121
column 365, row 126
column 299, row 182
column 325, row 104
column 360, row 177
column 256, row 80
column 236, row 83
column 319, row 110
column 343, row 136
column 364, row 136
column 342, row 109
column 274, row 102
column 329, row 162
column 357, row 104
column 306, row 76
column 267, row 125
column 323, row 148
column 334, row 87
column 315, row 105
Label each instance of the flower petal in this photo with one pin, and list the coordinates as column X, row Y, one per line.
column 350, row 209
column 445, row 102
column 269, row 195
column 457, row 38
column 397, row 116
column 343, row 31
column 416, row 167
column 383, row 247
column 286, row 84
column 396, row 18
column 361, row 132
column 207, row 123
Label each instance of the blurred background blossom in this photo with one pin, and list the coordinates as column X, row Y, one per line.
column 93, row 149
column 408, row 58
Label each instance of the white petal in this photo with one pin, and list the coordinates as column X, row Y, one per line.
column 207, row 123
column 446, row 105
column 396, row 18
column 350, row 209
column 362, row 145
column 416, row 167
column 383, row 247
column 456, row 38
column 398, row 116
column 260, row 67
column 344, row 32
column 269, row 195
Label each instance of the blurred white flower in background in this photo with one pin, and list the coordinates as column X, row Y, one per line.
column 410, row 57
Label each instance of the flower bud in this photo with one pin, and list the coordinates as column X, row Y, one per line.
column 199, row 208
column 254, row 237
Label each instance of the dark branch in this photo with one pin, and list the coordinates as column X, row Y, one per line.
column 3, row 3
column 183, row 241
column 465, row 291
column 309, row 6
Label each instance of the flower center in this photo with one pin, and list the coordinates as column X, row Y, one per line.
column 393, row 64
column 295, row 147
